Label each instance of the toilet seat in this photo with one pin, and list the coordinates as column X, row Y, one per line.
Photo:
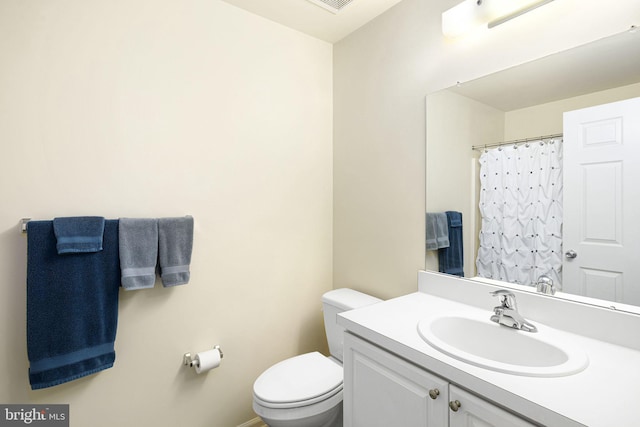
column 299, row 381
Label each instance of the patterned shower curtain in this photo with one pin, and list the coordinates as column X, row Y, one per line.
column 521, row 209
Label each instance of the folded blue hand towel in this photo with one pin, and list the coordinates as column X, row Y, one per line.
column 175, row 243
column 451, row 259
column 138, row 252
column 78, row 234
column 72, row 307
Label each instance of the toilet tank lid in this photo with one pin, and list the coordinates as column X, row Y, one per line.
column 348, row 299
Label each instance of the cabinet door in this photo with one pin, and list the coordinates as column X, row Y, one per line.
column 383, row 390
column 475, row 412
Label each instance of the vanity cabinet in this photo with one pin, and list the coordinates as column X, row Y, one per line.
column 476, row 412
column 382, row 390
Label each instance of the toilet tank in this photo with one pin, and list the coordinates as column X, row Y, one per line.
column 337, row 301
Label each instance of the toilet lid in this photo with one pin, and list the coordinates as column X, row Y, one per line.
column 299, row 378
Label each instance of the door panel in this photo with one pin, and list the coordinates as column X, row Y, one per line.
column 602, row 201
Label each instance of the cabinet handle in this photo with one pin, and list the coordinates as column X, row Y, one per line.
column 455, row 405
column 434, row 393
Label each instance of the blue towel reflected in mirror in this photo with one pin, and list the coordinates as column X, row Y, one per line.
column 451, row 259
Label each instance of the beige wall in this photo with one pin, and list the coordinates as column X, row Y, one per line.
column 382, row 73
column 546, row 119
column 456, row 123
column 158, row 108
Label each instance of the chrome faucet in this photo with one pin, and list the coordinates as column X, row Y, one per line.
column 507, row 312
column 545, row 285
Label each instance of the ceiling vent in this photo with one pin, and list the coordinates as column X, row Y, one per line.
column 334, row 6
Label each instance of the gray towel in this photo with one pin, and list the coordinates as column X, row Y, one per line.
column 437, row 231
column 138, row 252
column 175, row 243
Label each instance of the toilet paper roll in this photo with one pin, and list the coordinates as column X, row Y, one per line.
column 207, row 360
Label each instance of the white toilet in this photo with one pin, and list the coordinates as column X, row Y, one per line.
column 306, row 390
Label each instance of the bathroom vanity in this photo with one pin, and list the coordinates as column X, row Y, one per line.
column 579, row 369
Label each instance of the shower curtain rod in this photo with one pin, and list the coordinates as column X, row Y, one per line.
column 515, row 141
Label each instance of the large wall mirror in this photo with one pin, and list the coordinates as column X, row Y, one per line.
column 522, row 108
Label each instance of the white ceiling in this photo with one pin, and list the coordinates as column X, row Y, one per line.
column 304, row 16
column 604, row 64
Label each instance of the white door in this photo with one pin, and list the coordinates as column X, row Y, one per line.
column 601, row 226
column 382, row 390
column 468, row 410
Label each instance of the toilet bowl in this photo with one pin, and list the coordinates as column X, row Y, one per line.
column 306, row 390
column 303, row 391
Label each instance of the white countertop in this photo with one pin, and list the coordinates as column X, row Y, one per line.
column 605, row 394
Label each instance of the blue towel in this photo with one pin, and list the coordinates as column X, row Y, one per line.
column 78, row 234
column 72, row 307
column 451, row 259
column 175, row 243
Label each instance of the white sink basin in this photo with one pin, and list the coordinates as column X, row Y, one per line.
column 481, row 342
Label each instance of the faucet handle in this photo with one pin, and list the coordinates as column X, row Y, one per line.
column 507, row 298
column 545, row 285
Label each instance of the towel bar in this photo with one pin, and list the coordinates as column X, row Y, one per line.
column 23, row 225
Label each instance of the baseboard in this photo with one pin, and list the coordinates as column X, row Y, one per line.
column 256, row 422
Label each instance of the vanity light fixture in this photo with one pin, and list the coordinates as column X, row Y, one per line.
column 472, row 14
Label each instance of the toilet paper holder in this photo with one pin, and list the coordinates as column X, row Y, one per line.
column 189, row 361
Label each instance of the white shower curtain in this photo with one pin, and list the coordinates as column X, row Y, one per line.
column 521, row 209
